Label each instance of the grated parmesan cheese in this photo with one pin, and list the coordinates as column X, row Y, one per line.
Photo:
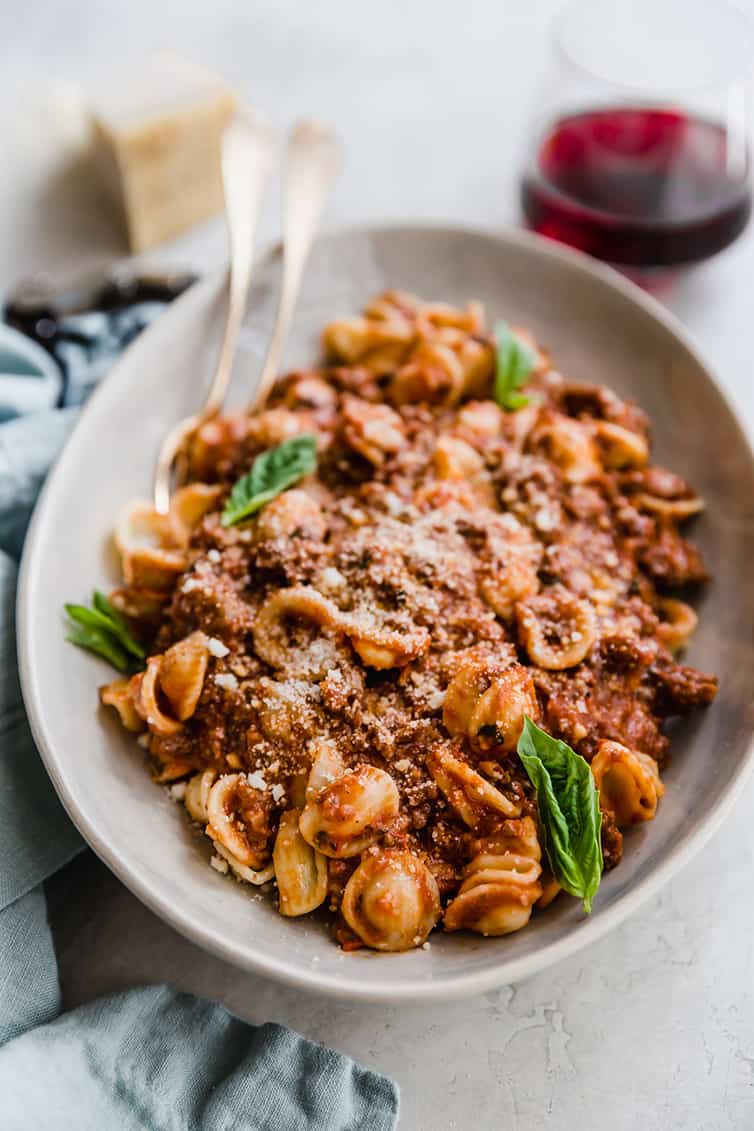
column 256, row 780
column 217, row 648
column 227, row 681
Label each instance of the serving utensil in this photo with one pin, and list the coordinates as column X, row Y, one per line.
column 247, row 148
column 311, row 165
column 312, row 162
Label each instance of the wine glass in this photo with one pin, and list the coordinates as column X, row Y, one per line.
column 640, row 152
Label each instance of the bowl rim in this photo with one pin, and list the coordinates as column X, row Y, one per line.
column 302, row 975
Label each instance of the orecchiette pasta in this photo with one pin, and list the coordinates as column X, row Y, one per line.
column 293, row 512
column 628, row 781
column 471, row 795
column 678, row 623
column 620, row 446
column 239, row 822
column 145, row 688
column 256, row 876
column 354, row 339
column 300, row 870
column 487, row 701
column 501, row 884
column 677, row 509
column 570, row 445
column 513, row 558
column 382, row 647
column 557, row 629
column 350, row 813
column 327, row 765
column 197, row 795
column 119, row 695
column 271, row 639
column 150, row 546
column 480, row 423
column 190, row 504
column 375, row 431
column 182, row 671
column 391, row 901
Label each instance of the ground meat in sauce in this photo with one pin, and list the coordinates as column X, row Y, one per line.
column 410, row 546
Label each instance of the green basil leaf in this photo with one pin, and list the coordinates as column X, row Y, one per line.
column 569, row 810
column 103, row 606
column 272, row 472
column 102, row 630
column 96, row 640
column 515, row 364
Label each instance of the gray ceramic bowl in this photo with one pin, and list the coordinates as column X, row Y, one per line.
column 599, row 328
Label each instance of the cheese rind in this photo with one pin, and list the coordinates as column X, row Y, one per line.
column 158, row 148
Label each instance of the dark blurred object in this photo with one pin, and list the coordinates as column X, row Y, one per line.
column 84, row 327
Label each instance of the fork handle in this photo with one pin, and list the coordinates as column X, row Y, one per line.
column 247, row 148
column 312, row 162
column 246, row 164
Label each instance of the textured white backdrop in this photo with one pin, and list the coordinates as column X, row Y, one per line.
column 654, row 1026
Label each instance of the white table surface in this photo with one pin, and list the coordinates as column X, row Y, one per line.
column 653, row 1027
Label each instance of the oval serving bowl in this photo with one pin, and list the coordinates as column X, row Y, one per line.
column 599, row 328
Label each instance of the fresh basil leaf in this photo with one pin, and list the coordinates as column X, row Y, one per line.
column 272, row 472
column 102, row 630
column 515, row 364
column 569, row 810
column 102, row 643
column 103, row 606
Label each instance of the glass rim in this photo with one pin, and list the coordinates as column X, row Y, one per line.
column 738, row 72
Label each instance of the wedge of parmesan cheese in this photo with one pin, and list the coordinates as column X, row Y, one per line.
column 157, row 139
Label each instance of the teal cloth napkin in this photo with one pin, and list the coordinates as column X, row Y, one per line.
column 150, row 1058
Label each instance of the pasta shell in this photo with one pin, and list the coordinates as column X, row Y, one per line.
column 190, row 504
column 570, row 445
column 678, row 623
column 254, row 876
column 351, row 812
column 119, row 694
column 621, row 448
column 139, row 604
column 300, row 871
column 501, row 883
column 150, row 546
column 556, row 628
column 375, row 431
column 327, row 765
column 293, row 512
column 197, row 795
column 471, row 795
column 487, row 702
column 669, row 508
column 145, row 687
column 239, row 820
column 172, row 770
column 271, row 631
column 391, row 901
column 628, row 782
column 182, row 671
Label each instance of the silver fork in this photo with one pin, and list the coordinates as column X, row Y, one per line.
column 312, row 162
column 247, row 149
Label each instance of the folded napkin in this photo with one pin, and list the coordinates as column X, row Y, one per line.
column 151, row 1057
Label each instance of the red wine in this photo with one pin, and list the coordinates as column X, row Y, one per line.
column 640, row 188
